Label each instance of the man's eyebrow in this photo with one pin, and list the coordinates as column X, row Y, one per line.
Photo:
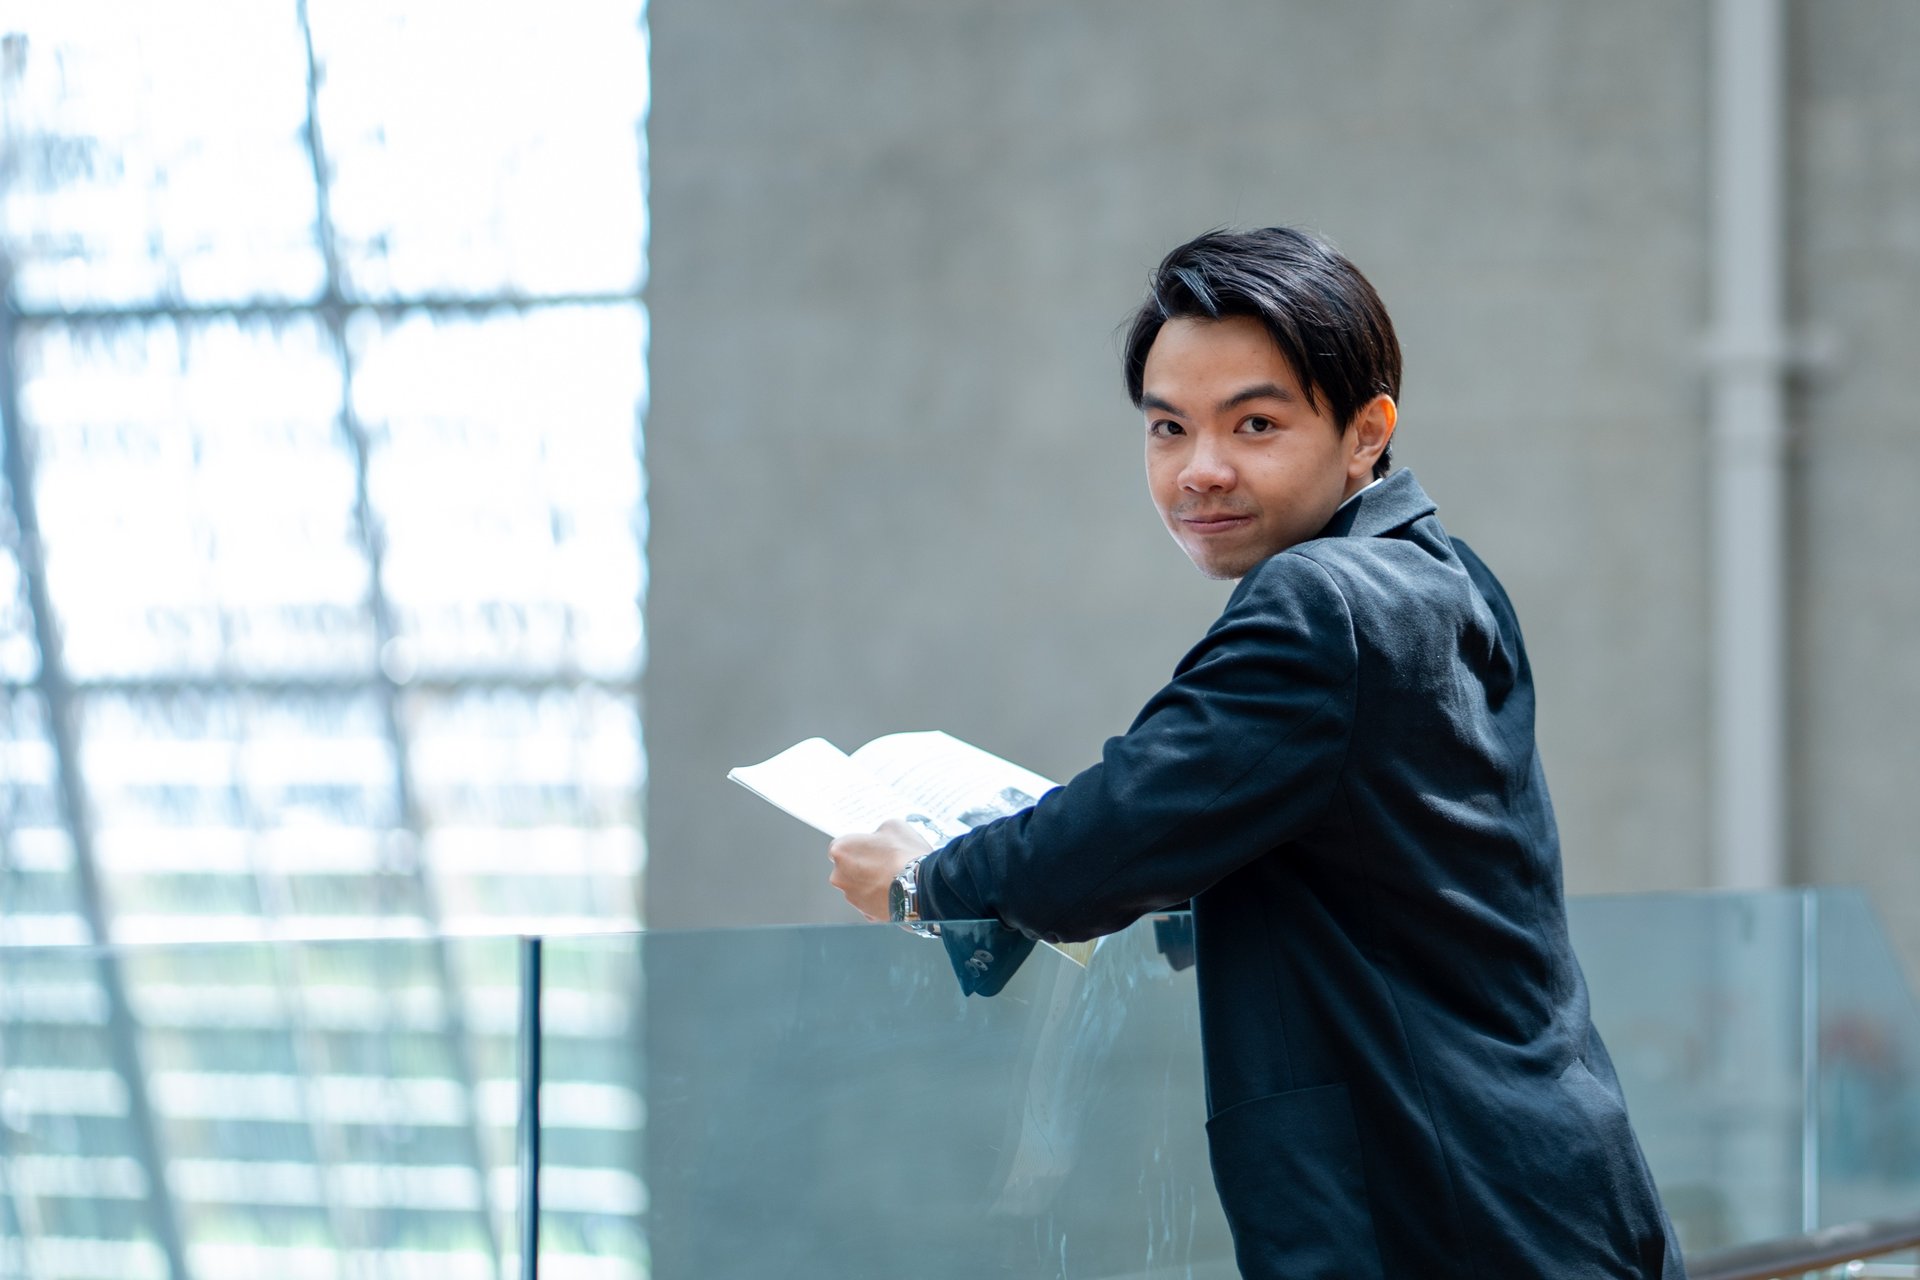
column 1263, row 391
column 1259, row 391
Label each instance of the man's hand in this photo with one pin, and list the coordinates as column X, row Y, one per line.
column 864, row 866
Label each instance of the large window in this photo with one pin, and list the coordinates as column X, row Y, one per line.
column 321, row 376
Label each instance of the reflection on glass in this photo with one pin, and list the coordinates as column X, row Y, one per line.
column 1768, row 1044
column 75, row 1181
column 1699, row 1000
column 594, row 1122
column 354, row 1104
column 1868, row 1069
column 331, row 1109
column 884, row 1123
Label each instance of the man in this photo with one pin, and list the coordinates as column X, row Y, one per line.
column 1402, row 1077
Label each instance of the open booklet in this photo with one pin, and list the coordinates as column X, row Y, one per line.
column 935, row 783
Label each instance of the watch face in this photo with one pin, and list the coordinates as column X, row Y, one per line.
column 896, row 900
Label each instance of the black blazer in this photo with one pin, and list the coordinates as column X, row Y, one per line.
column 1402, row 1077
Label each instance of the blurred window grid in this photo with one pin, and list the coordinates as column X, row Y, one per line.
column 321, row 571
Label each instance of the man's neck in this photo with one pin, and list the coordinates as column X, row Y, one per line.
column 1357, row 492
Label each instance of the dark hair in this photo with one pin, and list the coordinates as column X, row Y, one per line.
column 1324, row 316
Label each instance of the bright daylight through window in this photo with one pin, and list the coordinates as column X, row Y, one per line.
column 322, row 366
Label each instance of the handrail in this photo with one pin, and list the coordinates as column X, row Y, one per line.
column 1796, row 1255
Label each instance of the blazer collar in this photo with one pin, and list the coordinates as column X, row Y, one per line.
column 1395, row 502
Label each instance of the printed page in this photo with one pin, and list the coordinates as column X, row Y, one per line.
column 956, row 784
column 960, row 787
column 937, row 784
column 819, row 784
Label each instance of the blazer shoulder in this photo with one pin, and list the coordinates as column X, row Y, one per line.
column 1286, row 573
column 1398, row 586
column 1289, row 587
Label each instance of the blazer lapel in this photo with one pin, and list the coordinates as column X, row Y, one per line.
column 1392, row 504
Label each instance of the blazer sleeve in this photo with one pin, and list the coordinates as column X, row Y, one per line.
column 1240, row 753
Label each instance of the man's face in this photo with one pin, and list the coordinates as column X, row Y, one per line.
column 1239, row 464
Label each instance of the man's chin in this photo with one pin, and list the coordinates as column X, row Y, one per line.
column 1221, row 566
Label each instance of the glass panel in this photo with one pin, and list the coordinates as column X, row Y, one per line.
column 486, row 150
column 530, row 562
column 196, row 499
column 327, row 1109
column 881, row 1122
column 1703, row 1000
column 75, row 1179
column 1699, row 1000
column 358, row 1100
column 594, row 1197
column 1869, row 1068
column 157, row 153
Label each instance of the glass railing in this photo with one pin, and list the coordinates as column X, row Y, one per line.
column 1769, row 1045
column 318, row 1109
column 832, row 1102
column 844, row 1101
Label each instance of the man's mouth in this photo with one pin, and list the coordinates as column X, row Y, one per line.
column 1215, row 521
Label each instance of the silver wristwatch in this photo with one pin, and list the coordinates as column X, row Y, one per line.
column 903, row 901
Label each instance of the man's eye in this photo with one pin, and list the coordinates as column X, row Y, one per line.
column 1165, row 428
column 1259, row 426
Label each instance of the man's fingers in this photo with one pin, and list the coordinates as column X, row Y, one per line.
column 864, row 865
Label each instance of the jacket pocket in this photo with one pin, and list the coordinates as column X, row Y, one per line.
column 1291, row 1180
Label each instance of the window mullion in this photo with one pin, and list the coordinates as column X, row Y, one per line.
column 63, row 731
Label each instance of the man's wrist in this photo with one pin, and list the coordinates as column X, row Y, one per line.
column 903, row 895
column 904, row 901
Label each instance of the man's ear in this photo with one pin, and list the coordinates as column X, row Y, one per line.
column 1372, row 433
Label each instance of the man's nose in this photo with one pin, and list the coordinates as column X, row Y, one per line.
column 1208, row 469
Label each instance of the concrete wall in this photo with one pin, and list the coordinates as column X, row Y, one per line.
column 896, row 484
column 1856, row 226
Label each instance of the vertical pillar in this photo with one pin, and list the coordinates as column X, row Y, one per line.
column 1748, row 442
